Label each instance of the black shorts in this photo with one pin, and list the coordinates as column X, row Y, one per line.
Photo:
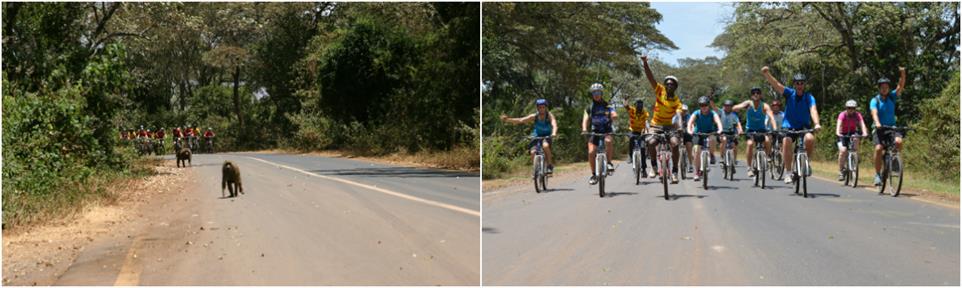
column 535, row 142
column 686, row 138
column 794, row 137
column 671, row 131
column 731, row 138
column 700, row 140
column 757, row 137
column 842, row 141
column 888, row 136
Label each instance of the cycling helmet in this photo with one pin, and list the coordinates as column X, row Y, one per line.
column 539, row 101
column 850, row 104
column 684, row 107
column 756, row 89
column 884, row 80
column 729, row 102
column 141, row 127
column 208, row 128
column 596, row 87
column 798, row 77
column 672, row 78
column 703, row 100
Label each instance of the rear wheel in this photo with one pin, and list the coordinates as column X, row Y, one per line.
column 682, row 161
column 636, row 159
column 704, row 170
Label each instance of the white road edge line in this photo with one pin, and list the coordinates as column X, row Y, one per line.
column 378, row 189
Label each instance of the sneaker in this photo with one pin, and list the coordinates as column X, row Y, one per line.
column 841, row 176
column 691, row 170
column 788, row 180
column 593, row 180
column 751, row 173
column 878, row 180
column 697, row 176
column 712, row 159
column 550, row 170
column 611, row 167
column 652, row 174
column 674, row 178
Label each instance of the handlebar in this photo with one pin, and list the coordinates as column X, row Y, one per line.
column 897, row 128
column 798, row 132
column 853, row 136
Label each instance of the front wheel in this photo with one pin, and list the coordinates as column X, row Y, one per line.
column 886, row 166
column 636, row 160
column 537, row 175
column 778, row 168
column 895, row 176
column 601, row 186
column 704, row 170
column 682, row 161
column 665, row 173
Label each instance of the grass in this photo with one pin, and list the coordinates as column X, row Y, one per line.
column 23, row 209
column 913, row 181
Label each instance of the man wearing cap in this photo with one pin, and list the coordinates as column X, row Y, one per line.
column 800, row 114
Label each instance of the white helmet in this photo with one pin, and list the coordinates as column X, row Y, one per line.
column 596, row 87
column 670, row 77
column 684, row 107
column 851, row 104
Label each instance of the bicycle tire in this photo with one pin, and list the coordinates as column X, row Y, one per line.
column 704, row 170
column 636, row 159
column 664, row 176
column 895, row 176
column 885, row 172
column 537, row 174
column 683, row 162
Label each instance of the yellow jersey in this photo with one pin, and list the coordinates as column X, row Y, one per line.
column 636, row 120
column 665, row 108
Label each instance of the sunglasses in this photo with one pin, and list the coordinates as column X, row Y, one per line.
column 756, row 93
column 799, row 82
column 596, row 93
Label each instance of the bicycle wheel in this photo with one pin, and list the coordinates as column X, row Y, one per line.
column 636, row 160
column 760, row 158
column 886, row 163
column 778, row 167
column 665, row 173
column 600, row 165
column 803, row 165
column 895, row 176
column 537, row 174
column 704, row 170
column 682, row 161
column 544, row 182
column 730, row 159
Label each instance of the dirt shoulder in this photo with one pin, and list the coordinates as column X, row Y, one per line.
column 38, row 255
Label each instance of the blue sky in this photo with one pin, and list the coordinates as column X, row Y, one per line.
column 692, row 26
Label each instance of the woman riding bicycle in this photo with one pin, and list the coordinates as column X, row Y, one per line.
column 757, row 112
column 702, row 121
column 544, row 126
column 849, row 122
column 601, row 116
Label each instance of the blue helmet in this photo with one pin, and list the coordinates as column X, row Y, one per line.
column 541, row 101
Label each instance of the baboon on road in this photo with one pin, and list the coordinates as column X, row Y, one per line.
column 231, row 179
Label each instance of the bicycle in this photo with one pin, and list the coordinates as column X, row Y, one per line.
column 682, row 157
column 759, row 163
column 705, row 154
column 638, row 156
column 775, row 164
column 892, row 165
column 601, row 161
column 540, row 175
column 850, row 170
column 663, row 152
column 728, row 159
column 803, row 168
column 210, row 145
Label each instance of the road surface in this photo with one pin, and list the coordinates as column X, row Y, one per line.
column 731, row 234
column 302, row 221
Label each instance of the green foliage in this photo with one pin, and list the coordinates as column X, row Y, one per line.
column 933, row 147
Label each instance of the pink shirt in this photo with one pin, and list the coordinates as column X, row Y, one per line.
column 850, row 124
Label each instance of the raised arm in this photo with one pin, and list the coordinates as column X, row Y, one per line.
column 743, row 105
column 522, row 120
column 898, row 90
column 651, row 78
column 772, row 81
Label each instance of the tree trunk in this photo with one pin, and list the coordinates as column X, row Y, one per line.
column 237, row 104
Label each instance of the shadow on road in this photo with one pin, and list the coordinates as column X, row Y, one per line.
column 552, row 190
column 816, row 195
column 490, row 230
column 393, row 172
column 710, row 187
column 679, row 196
column 615, row 194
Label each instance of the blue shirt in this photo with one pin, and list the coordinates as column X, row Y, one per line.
column 797, row 109
column 729, row 120
column 885, row 109
column 542, row 128
column 704, row 123
column 755, row 117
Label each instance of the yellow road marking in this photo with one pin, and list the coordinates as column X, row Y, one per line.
column 378, row 189
column 130, row 272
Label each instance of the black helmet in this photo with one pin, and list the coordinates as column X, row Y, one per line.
column 798, row 77
column 639, row 102
column 729, row 102
column 756, row 89
column 884, row 80
column 703, row 100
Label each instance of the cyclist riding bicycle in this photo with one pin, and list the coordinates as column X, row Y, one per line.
column 758, row 117
column 637, row 118
column 667, row 105
column 600, row 116
column 800, row 114
column 682, row 121
column 731, row 126
column 544, row 125
column 849, row 122
column 883, row 114
column 704, row 120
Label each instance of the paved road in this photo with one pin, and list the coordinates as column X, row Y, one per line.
column 357, row 223
column 731, row 234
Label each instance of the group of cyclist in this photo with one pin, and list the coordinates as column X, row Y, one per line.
column 187, row 133
column 671, row 117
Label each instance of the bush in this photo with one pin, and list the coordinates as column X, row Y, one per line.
column 933, row 147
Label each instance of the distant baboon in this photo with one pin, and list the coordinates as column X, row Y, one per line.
column 183, row 155
column 231, row 179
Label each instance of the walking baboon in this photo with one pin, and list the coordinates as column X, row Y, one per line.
column 231, row 179
column 183, row 155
